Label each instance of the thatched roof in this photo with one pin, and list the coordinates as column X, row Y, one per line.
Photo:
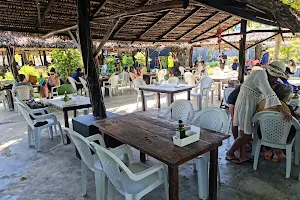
column 199, row 20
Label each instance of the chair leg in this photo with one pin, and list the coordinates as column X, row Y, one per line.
column 55, row 130
column 202, row 164
column 51, row 132
column 37, row 139
column 166, row 185
column 29, row 130
column 137, row 102
column 61, row 132
column 219, row 175
column 256, row 156
column 200, row 102
column 83, row 177
column 297, row 149
column 110, row 193
column 100, row 184
column 212, row 97
column 288, row 161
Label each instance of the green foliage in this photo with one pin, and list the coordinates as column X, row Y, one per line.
column 129, row 61
column 140, row 58
column 286, row 53
column 66, row 61
column 29, row 70
column 164, row 61
column 17, row 57
column 210, row 55
column 253, row 25
column 110, row 62
column 8, row 76
column 293, row 3
column 210, row 71
column 65, row 87
column 212, row 64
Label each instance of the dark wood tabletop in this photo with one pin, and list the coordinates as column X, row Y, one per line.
column 166, row 88
column 152, row 135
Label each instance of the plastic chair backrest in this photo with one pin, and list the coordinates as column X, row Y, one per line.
column 161, row 75
column 173, row 80
column 214, row 119
column 73, row 83
column 191, row 80
column 227, row 92
column 181, row 110
column 206, row 82
column 112, row 166
column 83, row 147
column 23, row 92
column 84, row 83
column 138, row 82
column 181, row 69
column 114, row 80
column 124, row 77
column 273, row 128
column 26, row 113
column 154, row 70
column 186, row 74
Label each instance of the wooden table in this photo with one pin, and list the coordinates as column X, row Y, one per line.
column 81, row 102
column 147, row 76
column 152, row 135
column 164, row 88
column 219, row 80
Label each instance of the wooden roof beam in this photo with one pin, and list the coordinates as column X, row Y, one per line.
column 144, row 10
column 43, row 15
column 60, row 31
column 182, row 21
column 232, row 45
column 98, row 9
column 198, row 25
column 130, row 18
column 224, row 20
column 240, row 12
column 38, row 11
column 156, row 22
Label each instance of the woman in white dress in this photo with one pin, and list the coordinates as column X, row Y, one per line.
column 256, row 87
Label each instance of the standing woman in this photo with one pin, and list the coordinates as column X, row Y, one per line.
column 292, row 65
column 255, row 88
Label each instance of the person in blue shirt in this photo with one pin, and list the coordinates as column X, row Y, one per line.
column 235, row 64
column 265, row 57
column 285, row 81
column 76, row 76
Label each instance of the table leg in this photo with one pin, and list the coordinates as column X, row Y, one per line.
column 171, row 97
column 213, row 173
column 143, row 101
column 189, row 95
column 10, row 100
column 142, row 157
column 75, row 113
column 220, row 90
column 158, row 100
column 66, row 118
column 173, row 183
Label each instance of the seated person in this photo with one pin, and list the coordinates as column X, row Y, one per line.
column 132, row 74
column 231, row 101
column 76, row 76
column 196, row 65
column 203, row 68
column 43, row 89
column 283, row 93
column 53, row 81
column 235, row 64
column 21, row 81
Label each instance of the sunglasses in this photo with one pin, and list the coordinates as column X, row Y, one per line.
column 51, row 74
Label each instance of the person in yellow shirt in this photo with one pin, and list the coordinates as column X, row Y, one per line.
column 170, row 60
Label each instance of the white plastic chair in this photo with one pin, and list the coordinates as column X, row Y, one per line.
column 173, row 80
column 85, row 87
column 139, row 82
column 123, row 79
column 73, row 83
column 180, row 110
column 161, row 75
column 134, row 180
column 23, row 92
column 214, row 119
column 187, row 74
column 182, row 70
column 4, row 100
column 113, row 86
column 227, row 92
column 89, row 160
column 34, row 130
column 274, row 132
column 201, row 90
column 153, row 77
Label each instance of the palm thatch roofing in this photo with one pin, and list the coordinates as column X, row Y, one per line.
column 169, row 23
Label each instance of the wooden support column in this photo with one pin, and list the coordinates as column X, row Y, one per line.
column 22, row 59
column 45, row 58
column 242, row 50
column 11, row 61
column 83, row 10
column 277, row 47
column 191, row 57
column 41, row 59
column 147, row 59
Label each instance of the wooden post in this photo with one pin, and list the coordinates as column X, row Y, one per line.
column 277, row 47
column 83, row 10
column 42, row 62
column 258, row 51
column 191, row 57
column 11, row 61
column 22, row 59
column 242, row 50
column 147, row 59
column 45, row 58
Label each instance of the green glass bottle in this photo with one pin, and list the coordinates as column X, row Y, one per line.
column 181, row 129
column 66, row 98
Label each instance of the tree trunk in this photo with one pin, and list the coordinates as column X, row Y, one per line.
column 277, row 47
column 147, row 59
column 11, row 61
column 258, row 52
column 45, row 58
column 83, row 10
column 191, row 57
column 242, row 51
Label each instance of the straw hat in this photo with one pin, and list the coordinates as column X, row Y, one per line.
column 277, row 69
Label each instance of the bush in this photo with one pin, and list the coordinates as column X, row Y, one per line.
column 212, row 64
column 140, row 58
column 129, row 62
column 66, row 62
column 164, row 61
column 29, row 70
column 65, row 87
column 8, row 76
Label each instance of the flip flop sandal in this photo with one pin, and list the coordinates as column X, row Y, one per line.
column 238, row 161
column 230, row 158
